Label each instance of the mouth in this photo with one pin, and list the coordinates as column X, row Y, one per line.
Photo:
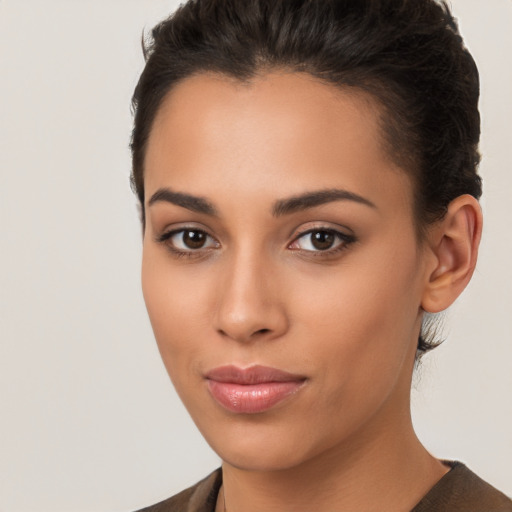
column 251, row 390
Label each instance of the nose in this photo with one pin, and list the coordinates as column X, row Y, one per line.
column 249, row 306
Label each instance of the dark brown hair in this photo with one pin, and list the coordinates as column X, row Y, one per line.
column 408, row 54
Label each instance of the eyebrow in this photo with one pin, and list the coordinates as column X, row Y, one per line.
column 188, row 201
column 316, row 198
column 280, row 208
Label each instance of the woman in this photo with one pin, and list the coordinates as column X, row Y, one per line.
column 307, row 174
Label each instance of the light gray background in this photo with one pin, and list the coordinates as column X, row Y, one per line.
column 89, row 421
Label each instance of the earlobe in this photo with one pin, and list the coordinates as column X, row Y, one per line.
column 454, row 243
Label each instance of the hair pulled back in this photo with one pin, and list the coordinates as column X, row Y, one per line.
column 408, row 54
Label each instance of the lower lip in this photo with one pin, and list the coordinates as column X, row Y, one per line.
column 252, row 398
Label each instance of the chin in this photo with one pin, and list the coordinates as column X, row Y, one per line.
column 261, row 448
column 261, row 460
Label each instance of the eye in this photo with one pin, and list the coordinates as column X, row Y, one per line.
column 188, row 240
column 321, row 240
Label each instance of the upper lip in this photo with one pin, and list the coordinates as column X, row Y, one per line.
column 253, row 375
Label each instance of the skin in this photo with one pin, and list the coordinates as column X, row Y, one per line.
column 258, row 292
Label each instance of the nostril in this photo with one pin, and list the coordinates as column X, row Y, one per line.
column 255, row 334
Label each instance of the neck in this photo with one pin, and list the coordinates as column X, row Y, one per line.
column 383, row 467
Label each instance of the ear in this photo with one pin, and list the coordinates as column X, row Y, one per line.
column 453, row 243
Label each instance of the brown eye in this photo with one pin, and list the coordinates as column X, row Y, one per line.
column 188, row 240
column 322, row 240
column 194, row 239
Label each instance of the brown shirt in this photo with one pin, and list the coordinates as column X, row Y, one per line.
column 460, row 490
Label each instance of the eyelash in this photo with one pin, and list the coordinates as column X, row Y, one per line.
column 191, row 253
column 344, row 241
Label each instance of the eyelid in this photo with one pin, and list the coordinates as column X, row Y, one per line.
column 345, row 239
column 171, row 234
column 167, row 234
column 344, row 235
column 321, row 226
column 169, row 230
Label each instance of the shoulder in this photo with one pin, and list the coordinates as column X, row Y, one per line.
column 201, row 497
column 461, row 490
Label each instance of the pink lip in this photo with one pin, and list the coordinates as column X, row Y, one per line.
column 251, row 390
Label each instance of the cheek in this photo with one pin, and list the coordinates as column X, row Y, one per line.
column 177, row 303
column 368, row 292
column 363, row 315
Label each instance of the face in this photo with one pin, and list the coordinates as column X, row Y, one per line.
column 281, row 269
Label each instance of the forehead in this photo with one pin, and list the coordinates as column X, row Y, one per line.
column 279, row 104
column 285, row 130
